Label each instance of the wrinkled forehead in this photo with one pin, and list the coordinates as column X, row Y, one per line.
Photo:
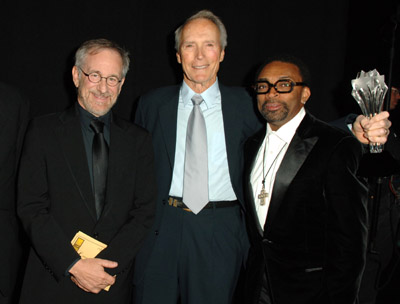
column 200, row 28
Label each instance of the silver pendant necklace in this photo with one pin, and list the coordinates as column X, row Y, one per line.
column 264, row 194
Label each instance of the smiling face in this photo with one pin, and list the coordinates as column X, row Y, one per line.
column 279, row 108
column 200, row 54
column 98, row 98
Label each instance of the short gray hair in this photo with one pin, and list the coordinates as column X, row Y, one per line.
column 96, row 45
column 203, row 14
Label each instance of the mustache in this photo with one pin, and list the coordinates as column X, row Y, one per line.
column 272, row 101
column 100, row 94
column 284, row 106
column 268, row 101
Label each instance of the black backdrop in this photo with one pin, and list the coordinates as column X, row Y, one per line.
column 336, row 38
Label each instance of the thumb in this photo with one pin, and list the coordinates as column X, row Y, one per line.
column 108, row 263
column 364, row 122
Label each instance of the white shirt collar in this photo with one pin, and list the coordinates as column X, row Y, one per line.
column 286, row 132
column 210, row 96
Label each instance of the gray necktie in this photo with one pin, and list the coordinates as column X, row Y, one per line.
column 195, row 182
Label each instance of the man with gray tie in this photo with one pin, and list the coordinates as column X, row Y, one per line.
column 198, row 243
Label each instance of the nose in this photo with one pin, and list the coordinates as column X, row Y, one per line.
column 102, row 85
column 199, row 53
column 272, row 92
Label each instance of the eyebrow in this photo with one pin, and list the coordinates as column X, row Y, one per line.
column 190, row 41
column 98, row 72
column 280, row 78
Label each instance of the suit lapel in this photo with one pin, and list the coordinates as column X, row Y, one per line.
column 232, row 130
column 298, row 150
column 72, row 145
column 168, row 119
column 252, row 148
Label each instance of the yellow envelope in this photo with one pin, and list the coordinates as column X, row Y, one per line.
column 86, row 246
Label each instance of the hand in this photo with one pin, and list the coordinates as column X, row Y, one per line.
column 89, row 274
column 374, row 130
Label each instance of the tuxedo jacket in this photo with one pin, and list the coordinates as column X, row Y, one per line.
column 313, row 243
column 56, row 201
column 157, row 112
column 14, row 109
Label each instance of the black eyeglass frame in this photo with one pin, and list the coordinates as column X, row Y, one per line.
column 101, row 77
column 270, row 85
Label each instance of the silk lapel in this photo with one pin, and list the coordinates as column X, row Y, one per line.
column 168, row 114
column 252, row 148
column 72, row 145
column 297, row 152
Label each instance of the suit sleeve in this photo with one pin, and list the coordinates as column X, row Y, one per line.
column 13, row 120
column 34, row 204
column 139, row 120
column 346, row 223
column 126, row 243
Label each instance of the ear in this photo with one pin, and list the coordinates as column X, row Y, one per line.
column 178, row 58
column 75, row 75
column 305, row 95
column 222, row 56
column 120, row 86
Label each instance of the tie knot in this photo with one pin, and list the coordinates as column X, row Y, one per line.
column 97, row 126
column 197, row 99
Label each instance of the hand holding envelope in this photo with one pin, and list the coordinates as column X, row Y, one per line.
column 88, row 273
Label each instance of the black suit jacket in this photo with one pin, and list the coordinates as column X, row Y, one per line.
column 56, row 201
column 314, row 239
column 14, row 110
column 157, row 112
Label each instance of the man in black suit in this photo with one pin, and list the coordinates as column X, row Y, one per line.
column 14, row 109
column 193, row 255
column 382, row 173
column 307, row 216
column 60, row 193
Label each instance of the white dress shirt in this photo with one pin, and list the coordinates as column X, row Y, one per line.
column 268, row 161
column 219, row 181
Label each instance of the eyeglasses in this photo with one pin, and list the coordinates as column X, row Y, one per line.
column 94, row 77
column 281, row 86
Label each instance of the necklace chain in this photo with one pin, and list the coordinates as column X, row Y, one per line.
column 263, row 194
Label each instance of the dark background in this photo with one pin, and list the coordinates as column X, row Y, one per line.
column 336, row 39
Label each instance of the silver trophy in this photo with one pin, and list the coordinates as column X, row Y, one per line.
column 369, row 91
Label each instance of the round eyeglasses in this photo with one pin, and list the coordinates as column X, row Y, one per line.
column 95, row 77
column 281, row 86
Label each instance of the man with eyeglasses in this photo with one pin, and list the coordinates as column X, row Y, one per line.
column 87, row 170
column 307, row 216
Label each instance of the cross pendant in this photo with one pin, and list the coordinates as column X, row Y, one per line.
column 263, row 194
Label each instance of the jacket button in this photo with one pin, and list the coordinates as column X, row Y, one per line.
column 96, row 235
column 267, row 241
column 156, row 232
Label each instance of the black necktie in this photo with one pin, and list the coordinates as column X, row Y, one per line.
column 100, row 163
